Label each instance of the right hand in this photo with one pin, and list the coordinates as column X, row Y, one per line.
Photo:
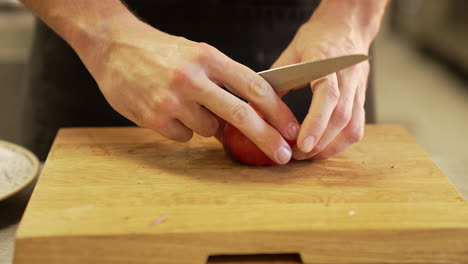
column 173, row 86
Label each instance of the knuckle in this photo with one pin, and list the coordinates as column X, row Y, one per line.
column 181, row 77
column 165, row 127
column 182, row 136
column 208, row 128
column 342, row 115
column 169, row 104
column 329, row 87
column 207, row 54
column 355, row 133
column 258, row 87
column 240, row 113
column 205, row 48
column 333, row 93
column 208, row 132
column 154, row 122
column 187, row 80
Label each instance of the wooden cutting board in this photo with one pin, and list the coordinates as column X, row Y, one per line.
column 127, row 195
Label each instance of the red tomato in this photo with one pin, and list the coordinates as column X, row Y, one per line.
column 242, row 149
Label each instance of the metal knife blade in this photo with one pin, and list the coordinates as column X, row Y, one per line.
column 298, row 75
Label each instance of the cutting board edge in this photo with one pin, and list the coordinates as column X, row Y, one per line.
column 389, row 246
column 344, row 216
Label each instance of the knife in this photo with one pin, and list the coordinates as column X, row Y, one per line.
column 298, row 75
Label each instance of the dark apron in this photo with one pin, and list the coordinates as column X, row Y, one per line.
column 61, row 92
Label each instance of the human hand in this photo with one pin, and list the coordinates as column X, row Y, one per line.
column 173, row 86
column 336, row 117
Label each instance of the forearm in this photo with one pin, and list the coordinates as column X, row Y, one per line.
column 364, row 16
column 88, row 26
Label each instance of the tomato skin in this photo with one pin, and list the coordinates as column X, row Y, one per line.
column 242, row 149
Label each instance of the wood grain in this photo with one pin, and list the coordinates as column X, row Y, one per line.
column 102, row 189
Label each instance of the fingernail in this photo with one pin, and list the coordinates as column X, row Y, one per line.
column 292, row 131
column 283, row 155
column 308, row 144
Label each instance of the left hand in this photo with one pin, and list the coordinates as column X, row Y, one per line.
column 336, row 117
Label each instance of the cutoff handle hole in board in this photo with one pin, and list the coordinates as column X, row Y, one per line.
column 288, row 258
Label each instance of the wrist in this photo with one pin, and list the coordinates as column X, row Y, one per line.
column 360, row 18
column 92, row 36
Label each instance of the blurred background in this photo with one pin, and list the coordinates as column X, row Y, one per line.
column 420, row 77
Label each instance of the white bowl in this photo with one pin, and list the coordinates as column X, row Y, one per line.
column 18, row 168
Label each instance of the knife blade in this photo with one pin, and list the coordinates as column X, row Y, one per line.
column 297, row 75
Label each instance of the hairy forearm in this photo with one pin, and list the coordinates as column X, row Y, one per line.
column 362, row 15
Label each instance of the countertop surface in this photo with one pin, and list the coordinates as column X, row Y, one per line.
column 11, row 211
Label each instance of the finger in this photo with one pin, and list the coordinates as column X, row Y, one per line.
column 248, row 85
column 198, row 119
column 219, row 135
column 364, row 67
column 169, row 128
column 326, row 96
column 348, row 80
column 351, row 134
column 243, row 117
column 354, row 131
column 353, row 80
